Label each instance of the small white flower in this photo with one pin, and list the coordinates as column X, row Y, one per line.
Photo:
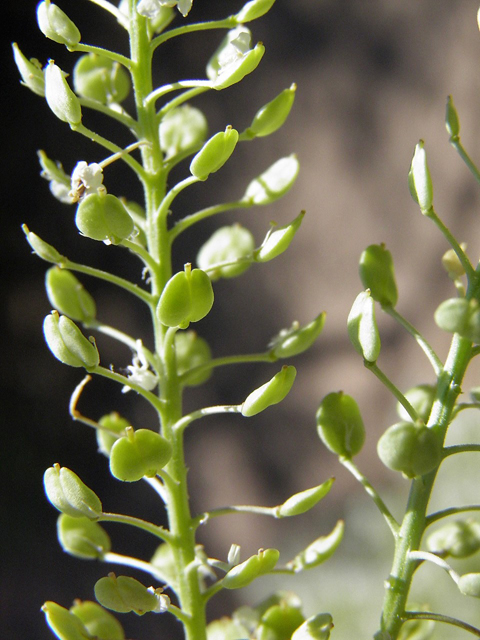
column 60, row 191
column 162, row 598
column 151, row 8
column 86, row 179
column 139, row 372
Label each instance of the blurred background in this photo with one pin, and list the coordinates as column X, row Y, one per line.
column 372, row 80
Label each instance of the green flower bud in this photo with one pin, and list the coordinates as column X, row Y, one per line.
column 60, row 182
column 461, row 316
column 271, row 116
column 226, row 245
column 253, row 10
column 278, row 240
column 102, row 216
column 273, row 183
column 30, row 70
column 270, row 393
column 82, row 538
column 187, row 297
column 469, row 584
column 214, row 153
column 340, row 425
column 140, row 453
column 60, row 98
column 315, row 628
column 362, row 327
column 459, row 539
column 226, row 629
column 378, row 275
column 297, row 339
column 303, row 501
column 234, row 59
column 100, row 78
column 56, row 25
column 67, row 295
column 112, row 424
column 64, row 624
column 125, row 594
column 421, row 180
column 67, row 342
column 42, row 248
column 70, row 495
column 246, row 572
column 279, row 622
column 182, row 130
column 319, row 550
column 192, row 351
column 451, row 263
column 451, row 119
column 421, row 398
column 413, row 450
column 99, row 623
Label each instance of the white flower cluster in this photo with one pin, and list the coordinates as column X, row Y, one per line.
column 86, row 179
column 139, row 371
column 151, row 8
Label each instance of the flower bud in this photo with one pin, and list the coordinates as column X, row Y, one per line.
column 451, row 119
column 214, row 153
column 271, row 116
column 270, row 393
column 82, row 538
column 227, row 244
column 187, row 297
column 30, row 70
column 279, row 622
column 101, row 216
column 111, row 424
column 421, row 181
column 303, row 501
column 100, row 78
column 64, row 624
column 70, row 495
column 340, row 425
column 421, row 398
column 59, row 181
column 459, row 315
column 56, row 25
column 192, row 351
column 278, row 240
column 246, row 572
column 319, row 550
column 125, row 594
column 182, row 130
column 273, row 183
column 234, row 59
column 253, row 10
column 459, row 539
column 67, row 342
column 413, row 450
column 99, row 623
column 362, row 327
column 139, row 454
column 68, row 296
column 451, row 263
column 315, row 628
column 60, row 98
column 297, row 339
column 469, row 584
column 378, row 275
column 42, row 248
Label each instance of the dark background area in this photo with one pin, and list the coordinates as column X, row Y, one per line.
column 372, row 79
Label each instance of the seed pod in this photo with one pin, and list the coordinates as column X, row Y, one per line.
column 413, row 450
column 182, row 130
column 421, row 398
column 362, row 327
column 165, row 565
column 214, row 153
column 192, row 351
column 30, row 71
column 99, row 623
column 279, row 622
column 459, row 539
column 187, row 297
column 270, row 393
column 56, row 25
column 42, row 248
column 271, row 116
column 377, row 274
column 469, row 584
column 451, row 263
column 64, row 624
column 125, row 594
column 100, row 78
column 420, row 179
column 315, row 628
column 452, row 315
column 278, row 240
column 227, row 244
column 67, row 342
column 303, row 501
column 70, row 495
column 273, row 183
column 67, row 295
column 141, row 453
column 319, row 550
column 451, row 119
column 102, row 216
column 112, row 423
column 60, row 98
column 253, row 10
column 244, row 573
column 234, row 60
column 226, row 629
column 297, row 339
column 340, row 425
column 82, row 538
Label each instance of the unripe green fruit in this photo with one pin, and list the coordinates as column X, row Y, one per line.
column 272, row 115
column 64, row 624
column 451, row 263
column 244, row 573
column 273, row 183
column 112, row 422
column 303, row 501
column 420, row 180
column 56, row 25
column 141, row 453
column 227, row 244
column 270, row 393
column 315, row 628
column 226, row 629
column 68, row 344
column 319, row 550
column 362, row 327
column 340, row 425
column 469, row 584
column 458, row 539
column 192, row 351
column 125, row 594
column 101, row 216
column 42, row 248
column 278, row 240
column 214, row 153
column 182, row 130
column 70, row 495
column 60, row 98
column 30, row 70
column 459, row 315
column 451, row 119
column 67, row 294
column 236, row 71
column 377, row 274
column 279, row 622
column 187, row 297
column 253, row 10
column 413, row 450
column 82, row 538
column 99, row 623
column 421, row 398
column 297, row 339
column 99, row 78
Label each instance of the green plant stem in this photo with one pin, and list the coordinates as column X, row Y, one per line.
column 459, row 148
column 227, row 23
column 451, row 511
column 192, row 219
column 121, row 116
column 157, row 531
column 460, row 448
column 439, row 617
column 124, row 381
column 127, row 561
column 176, row 86
column 228, row 360
column 100, row 51
column 179, row 100
column 373, row 367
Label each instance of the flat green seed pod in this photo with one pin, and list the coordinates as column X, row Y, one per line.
column 142, row 453
column 100, row 623
column 340, row 425
column 64, row 624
